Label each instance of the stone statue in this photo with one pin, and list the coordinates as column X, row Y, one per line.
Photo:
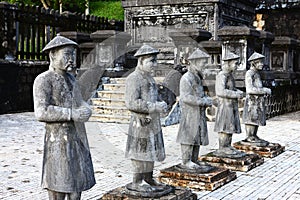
column 67, row 163
column 254, row 113
column 145, row 140
column 227, row 118
column 193, row 102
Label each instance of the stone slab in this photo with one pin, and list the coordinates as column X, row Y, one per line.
column 179, row 193
column 243, row 164
column 199, row 181
column 270, row 151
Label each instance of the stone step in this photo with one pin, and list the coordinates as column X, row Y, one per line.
column 158, row 79
column 111, row 110
column 108, row 102
column 114, row 86
column 110, row 118
column 111, row 94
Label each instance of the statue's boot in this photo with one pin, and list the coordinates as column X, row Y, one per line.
column 225, row 148
column 187, row 157
column 251, row 132
column 151, row 181
column 190, row 160
column 140, row 185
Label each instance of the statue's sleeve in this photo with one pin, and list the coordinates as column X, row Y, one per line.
column 43, row 110
column 250, row 88
column 186, row 93
column 221, row 90
column 133, row 100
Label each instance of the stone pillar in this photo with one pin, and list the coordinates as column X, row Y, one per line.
column 283, row 54
column 239, row 40
column 111, row 47
column 186, row 42
column 214, row 49
column 266, row 39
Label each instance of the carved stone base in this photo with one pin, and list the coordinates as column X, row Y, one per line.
column 243, row 164
column 200, row 181
column 177, row 193
column 270, row 151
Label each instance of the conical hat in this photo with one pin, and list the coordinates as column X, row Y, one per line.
column 198, row 54
column 230, row 56
column 59, row 41
column 146, row 50
column 255, row 56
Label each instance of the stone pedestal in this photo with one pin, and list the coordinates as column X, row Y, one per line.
column 178, row 193
column 239, row 40
column 270, row 151
column 199, row 181
column 243, row 164
column 266, row 38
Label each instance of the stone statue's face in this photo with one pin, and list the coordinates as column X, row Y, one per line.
column 148, row 63
column 258, row 64
column 199, row 64
column 232, row 65
column 64, row 58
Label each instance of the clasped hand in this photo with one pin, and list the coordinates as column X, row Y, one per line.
column 81, row 114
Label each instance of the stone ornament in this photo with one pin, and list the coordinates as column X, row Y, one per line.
column 67, row 164
column 193, row 126
column 145, row 143
column 254, row 113
column 227, row 118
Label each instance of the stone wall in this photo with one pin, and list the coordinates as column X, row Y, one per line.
column 282, row 22
column 16, row 81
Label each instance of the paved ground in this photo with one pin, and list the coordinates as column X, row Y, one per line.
column 21, row 144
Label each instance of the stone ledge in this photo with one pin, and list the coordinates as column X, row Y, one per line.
column 243, row 164
column 178, row 193
column 270, row 151
column 199, row 181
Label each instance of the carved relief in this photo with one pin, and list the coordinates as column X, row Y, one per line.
column 151, row 24
column 277, row 60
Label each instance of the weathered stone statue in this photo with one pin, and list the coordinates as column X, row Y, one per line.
column 145, row 140
column 67, row 164
column 227, row 118
column 254, row 114
column 193, row 102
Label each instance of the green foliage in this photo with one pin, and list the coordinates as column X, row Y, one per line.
column 69, row 5
column 111, row 9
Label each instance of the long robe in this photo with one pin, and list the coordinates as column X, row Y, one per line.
column 254, row 109
column 227, row 118
column 145, row 139
column 67, row 163
column 193, row 125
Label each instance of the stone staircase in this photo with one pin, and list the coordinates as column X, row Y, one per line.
column 109, row 106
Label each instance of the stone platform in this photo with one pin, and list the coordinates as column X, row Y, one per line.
column 270, row 151
column 199, row 181
column 178, row 193
column 243, row 164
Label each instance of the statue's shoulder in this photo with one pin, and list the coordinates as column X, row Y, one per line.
column 187, row 77
column 222, row 74
column 42, row 77
column 134, row 76
column 251, row 72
